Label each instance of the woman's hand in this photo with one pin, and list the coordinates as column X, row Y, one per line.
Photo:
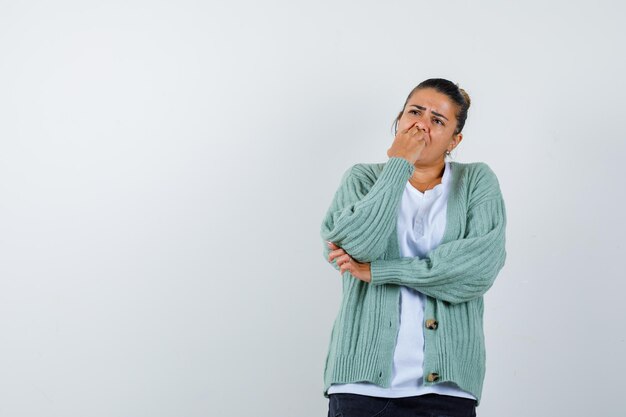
column 345, row 263
column 408, row 144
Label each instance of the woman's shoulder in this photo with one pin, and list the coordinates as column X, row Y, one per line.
column 478, row 179
column 474, row 172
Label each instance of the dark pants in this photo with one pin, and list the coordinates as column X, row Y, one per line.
column 429, row 405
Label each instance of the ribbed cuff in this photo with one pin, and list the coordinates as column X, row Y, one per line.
column 385, row 271
column 397, row 169
column 391, row 180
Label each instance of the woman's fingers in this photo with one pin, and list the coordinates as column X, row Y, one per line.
column 343, row 262
column 408, row 143
column 335, row 251
column 412, row 130
column 344, row 267
column 343, row 258
column 414, row 125
column 335, row 254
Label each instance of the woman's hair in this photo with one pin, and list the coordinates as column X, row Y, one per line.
column 456, row 94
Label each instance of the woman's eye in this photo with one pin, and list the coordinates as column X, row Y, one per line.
column 413, row 111
column 438, row 121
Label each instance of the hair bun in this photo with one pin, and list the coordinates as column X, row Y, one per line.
column 466, row 97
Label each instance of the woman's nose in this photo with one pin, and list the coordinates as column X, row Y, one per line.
column 423, row 125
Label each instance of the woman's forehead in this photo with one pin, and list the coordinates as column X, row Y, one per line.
column 432, row 100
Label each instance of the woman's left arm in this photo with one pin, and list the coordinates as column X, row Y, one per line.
column 459, row 270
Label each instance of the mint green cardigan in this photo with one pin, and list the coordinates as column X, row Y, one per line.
column 454, row 276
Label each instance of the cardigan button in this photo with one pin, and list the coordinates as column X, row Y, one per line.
column 432, row 377
column 432, row 324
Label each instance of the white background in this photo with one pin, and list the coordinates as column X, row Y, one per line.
column 165, row 167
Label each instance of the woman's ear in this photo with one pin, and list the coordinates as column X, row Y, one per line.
column 456, row 139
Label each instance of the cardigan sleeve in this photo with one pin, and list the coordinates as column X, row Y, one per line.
column 459, row 270
column 362, row 215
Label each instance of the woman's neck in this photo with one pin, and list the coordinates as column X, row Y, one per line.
column 427, row 177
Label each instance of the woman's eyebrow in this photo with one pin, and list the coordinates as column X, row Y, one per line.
column 433, row 112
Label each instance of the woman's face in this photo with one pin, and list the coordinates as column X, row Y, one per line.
column 434, row 113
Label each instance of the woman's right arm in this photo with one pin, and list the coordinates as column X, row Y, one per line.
column 362, row 215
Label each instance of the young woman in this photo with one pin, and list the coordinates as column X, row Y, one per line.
column 417, row 240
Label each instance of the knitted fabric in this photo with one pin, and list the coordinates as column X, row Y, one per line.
column 454, row 276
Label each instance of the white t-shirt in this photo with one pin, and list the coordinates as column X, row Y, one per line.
column 421, row 223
